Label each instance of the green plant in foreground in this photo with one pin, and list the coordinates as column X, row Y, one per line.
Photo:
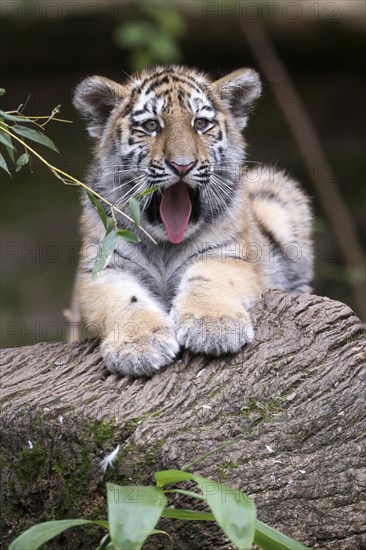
column 13, row 128
column 134, row 511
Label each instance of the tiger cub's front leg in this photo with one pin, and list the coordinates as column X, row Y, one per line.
column 210, row 311
column 137, row 334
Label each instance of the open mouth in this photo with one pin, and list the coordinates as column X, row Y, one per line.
column 175, row 207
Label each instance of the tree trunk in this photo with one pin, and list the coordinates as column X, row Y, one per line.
column 295, row 397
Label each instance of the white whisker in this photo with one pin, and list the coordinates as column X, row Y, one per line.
column 128, row 182
column 135, row 190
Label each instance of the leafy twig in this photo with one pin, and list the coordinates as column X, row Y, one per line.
column 4, row 127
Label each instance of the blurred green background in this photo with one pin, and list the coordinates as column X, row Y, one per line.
column 48, row 47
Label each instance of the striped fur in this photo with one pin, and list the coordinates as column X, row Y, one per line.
column 249, row 229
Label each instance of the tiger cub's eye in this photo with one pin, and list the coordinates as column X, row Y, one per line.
column 201, row 123
column 151, row 125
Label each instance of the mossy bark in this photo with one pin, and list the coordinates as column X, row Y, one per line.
column 295, row 399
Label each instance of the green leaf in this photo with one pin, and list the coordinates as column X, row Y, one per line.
column 100, row 210
column 133, row 513
column 110, row 225
column 22, row 161
column 148, row 191
column 233, row 511
column 168, row 17
column 128, row 236
column 105, row 252
column 105, row 543
column 164, row 49
column 15, row 118
column 5, row 139
column 270, row 539
column 34, row 135
column 135, row 34
column 186, row 493
column 191, row 515
column 164, row 477
column 37, row 535
column 3, row 164
column 135, row 211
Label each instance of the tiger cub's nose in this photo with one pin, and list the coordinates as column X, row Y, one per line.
column 181, row 169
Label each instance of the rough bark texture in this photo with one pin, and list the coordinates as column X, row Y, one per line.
column 296, row 397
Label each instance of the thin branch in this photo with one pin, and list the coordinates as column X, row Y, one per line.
column 54, row 169
column 221, row 447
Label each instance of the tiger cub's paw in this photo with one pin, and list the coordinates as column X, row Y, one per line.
column 140, row 354
column 213, row 334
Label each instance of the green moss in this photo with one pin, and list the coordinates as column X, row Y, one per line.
column 59, row 477
column 265, row 409
column 31, row 464
column 73, row 474
column 232, row 465
column 360, row 434
column 102, row 431
column 135, row 464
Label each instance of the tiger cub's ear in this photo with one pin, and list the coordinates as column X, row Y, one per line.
column 95, row 98
column 237, row 91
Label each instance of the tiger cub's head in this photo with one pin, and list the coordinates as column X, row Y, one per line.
column 175, row 129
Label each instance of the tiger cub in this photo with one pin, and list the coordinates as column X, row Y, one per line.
column 224, row 232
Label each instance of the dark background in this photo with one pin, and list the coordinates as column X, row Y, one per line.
column 48, row 47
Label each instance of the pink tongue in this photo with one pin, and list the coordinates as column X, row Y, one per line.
column 175, row 211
